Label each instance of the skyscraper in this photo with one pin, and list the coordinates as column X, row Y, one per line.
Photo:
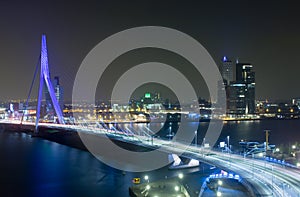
column 59, row 92
column 240, row 88
column 227, row 70
column 246, row 75
column 236, row 98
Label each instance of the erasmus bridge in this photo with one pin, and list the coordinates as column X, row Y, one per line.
column 260, row 176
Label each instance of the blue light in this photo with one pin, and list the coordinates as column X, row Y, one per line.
column 238, row 85
column 224, row 59
column 45, row 78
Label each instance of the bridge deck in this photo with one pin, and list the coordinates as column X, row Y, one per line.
column 260, row 176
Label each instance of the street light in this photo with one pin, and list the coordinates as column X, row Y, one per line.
column 180, row 175
column 176, row 188
column 220, row 182
column 228, row 145
column 196, row 132
column 267, row 141
column 283, row 188
column 219, row 194
column 272, row 181
column 229, row 149
column 252, row 165
column 148, row 187
column 203, row 146
column 146, row 177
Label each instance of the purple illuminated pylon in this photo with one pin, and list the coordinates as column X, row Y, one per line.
column 45, row 77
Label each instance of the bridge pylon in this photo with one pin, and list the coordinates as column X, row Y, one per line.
column 45, row 78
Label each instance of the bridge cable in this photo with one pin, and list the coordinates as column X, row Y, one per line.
column 31, row 86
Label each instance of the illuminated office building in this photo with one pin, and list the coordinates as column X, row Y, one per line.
column 246, row 75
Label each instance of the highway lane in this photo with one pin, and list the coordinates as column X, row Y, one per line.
column 282, row 176
column 283, row 181
column 267, row 178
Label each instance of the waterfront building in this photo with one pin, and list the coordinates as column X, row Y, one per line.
column 280, row 111
column 221, row 89
column 152, row 101
column 227, row 69
column 246, row 75
column 59, row 92
column 239, row 88
column 236, row 98
column 296, row 101
column 227, row 72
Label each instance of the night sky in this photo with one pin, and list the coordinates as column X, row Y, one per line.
column 264, row 33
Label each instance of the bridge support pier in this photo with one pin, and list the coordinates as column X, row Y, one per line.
column 180, row 162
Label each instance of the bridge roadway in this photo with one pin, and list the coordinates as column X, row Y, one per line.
column 263, row 177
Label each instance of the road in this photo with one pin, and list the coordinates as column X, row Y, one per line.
column 265, row 178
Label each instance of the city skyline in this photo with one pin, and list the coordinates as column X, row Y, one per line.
column 262, row 33
column 149, row 98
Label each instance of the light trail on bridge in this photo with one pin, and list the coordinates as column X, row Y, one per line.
column 266, row 178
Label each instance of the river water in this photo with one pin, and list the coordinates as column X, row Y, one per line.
column 36, row 167
column 281, row 132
